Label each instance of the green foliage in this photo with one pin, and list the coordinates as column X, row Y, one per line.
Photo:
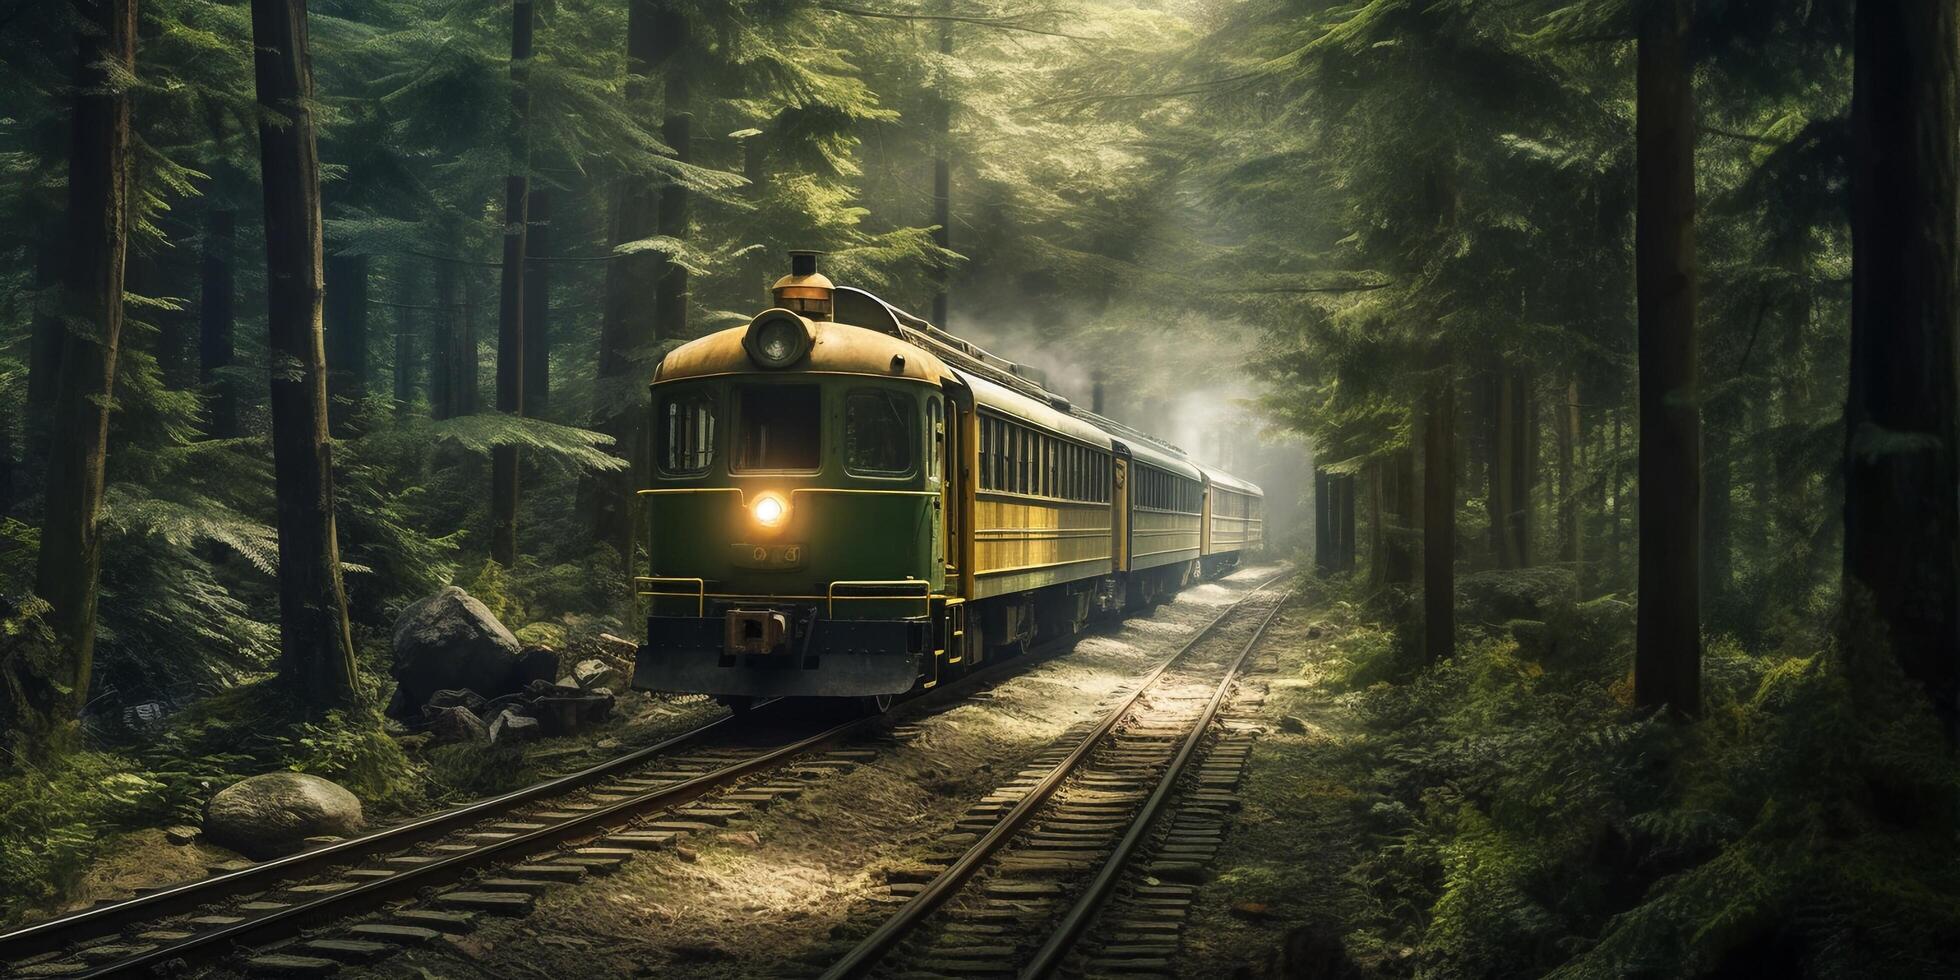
column 1532, row 823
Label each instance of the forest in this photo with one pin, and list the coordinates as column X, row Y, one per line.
column 1597, row 358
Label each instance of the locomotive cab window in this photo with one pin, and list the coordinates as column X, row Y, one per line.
column 685, row 432
column 878, row 432
column 778, row 427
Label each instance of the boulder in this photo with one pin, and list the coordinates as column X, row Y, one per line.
column 511, row 728
column 455, row 724
column 449, row 640
column 274, row 814
column 595, row 673
column 536, row 663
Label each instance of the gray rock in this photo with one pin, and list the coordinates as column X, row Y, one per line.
column 180, row 834
column 536, row 663
column 447, row 641
column 512, row 728
column 273, row 814
column 455, row 724
column 622, row 650
column 595, row 673
column 456, row 698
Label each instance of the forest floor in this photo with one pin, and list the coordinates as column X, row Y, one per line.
column 785, row 890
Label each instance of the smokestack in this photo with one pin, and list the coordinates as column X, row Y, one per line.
column 1096, row 395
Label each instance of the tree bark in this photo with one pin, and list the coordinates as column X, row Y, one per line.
column 1439, row 522
column 1902, row 471
column 510, row 305
column 444, row 330
column 537, row 306
column 46, row 692
column 346, row 315
column 1400, row 557
column 1323, row 522
column 215, row 317
column 626, row 332
column 1344, row 521
column 44, row 346
column 1570, row 445
column 942, row 180
column 1667, row 659
column 316, row 652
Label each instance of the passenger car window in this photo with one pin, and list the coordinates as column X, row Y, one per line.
column 778, row 427
column 878, row 432
column 686, row 433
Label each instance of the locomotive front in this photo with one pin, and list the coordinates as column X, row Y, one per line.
column 794, row 525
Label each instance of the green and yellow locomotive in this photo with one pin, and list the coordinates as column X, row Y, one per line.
column 850, row 502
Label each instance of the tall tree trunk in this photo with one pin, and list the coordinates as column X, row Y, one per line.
column 942, row 178
column 1902, row 469
column 44, row 692
column 1514, row 443
column 215, row 318
column 1344, row 521
column 44, row 346
column 626, row 332
column 1667, row 659
column 408, row 358
column 1400, row 540
column 1323, row 522
column 1439, row 521
column 346, row 315
column 316, row 651
column 1717, row 509
column 537, row 306
column 510, row 304
column 444, row 328
column 1570, row 445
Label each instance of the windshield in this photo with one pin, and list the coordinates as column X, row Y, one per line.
column 778, row 427
column 878, row 435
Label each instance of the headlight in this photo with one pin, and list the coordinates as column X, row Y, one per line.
column 777, row 339
column 769, row 510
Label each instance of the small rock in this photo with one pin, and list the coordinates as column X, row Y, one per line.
column 687, row 854
column 457, row 698
column 1256, row 911
column 273, row 814
column 181, row 834
column 1292, row 724
column 745, row 838
column 595, row 673
column 622, row 650
column 512, row 728
column 454, row 724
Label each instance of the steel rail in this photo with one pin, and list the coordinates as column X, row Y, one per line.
column 1090, row 902
column 943, row 886
column 52, row 933
column 106, row 920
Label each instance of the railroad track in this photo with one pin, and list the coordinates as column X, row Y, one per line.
column 1048, row 850
column 413, row 882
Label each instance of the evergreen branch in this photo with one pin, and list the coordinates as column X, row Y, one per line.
column 989, row 22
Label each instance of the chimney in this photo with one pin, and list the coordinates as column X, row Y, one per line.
column 804, row 291
column 1095, row 395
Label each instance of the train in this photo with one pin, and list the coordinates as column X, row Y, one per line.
column 848, row 501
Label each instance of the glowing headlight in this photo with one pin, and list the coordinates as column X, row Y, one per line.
column 768, row 510
column 777, row 339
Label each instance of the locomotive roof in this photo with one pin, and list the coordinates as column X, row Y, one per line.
column 839, row 349
column 1014, row 404
column 1221, row 478
column 1163, row 459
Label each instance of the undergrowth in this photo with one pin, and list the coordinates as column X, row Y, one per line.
column 1510, row 813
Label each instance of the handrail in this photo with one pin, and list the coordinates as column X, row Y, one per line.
column 700, row 589
column 831, row 596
